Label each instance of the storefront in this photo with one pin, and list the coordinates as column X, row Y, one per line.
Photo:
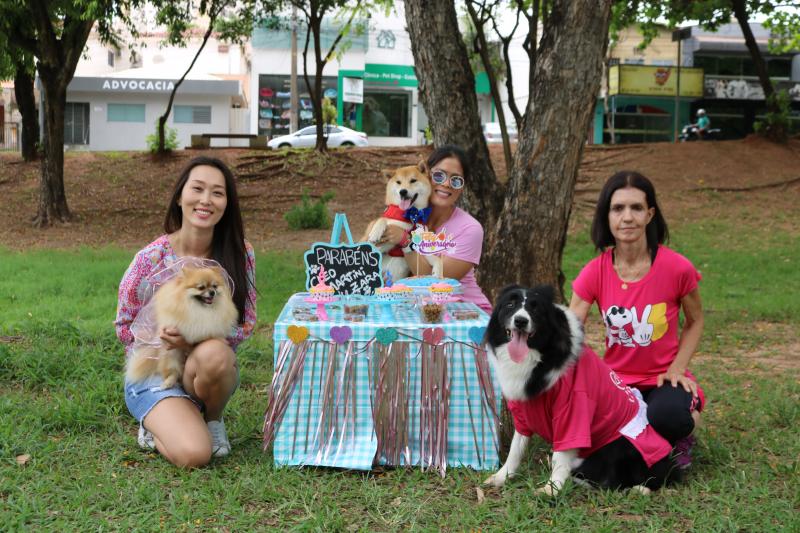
column 275, row 103
column 118, row 112
column 381, row 101
column 640, row 105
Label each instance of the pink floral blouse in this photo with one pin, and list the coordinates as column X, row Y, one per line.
column 134, row 283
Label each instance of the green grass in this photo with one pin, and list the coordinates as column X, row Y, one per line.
column 61, row 403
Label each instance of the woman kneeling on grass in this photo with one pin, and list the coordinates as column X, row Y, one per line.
column 640, row 286
column 203, row 220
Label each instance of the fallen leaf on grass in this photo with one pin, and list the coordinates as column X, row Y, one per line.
column 479, row 494
column 23, row 459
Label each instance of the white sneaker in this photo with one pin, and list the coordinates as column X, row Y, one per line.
column 220, row 447
column 145, row 439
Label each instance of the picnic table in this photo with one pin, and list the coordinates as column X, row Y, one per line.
column 204, row 140
column 385, row 389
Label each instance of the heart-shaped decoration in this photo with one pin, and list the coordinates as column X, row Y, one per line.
column 476, row 334
column 341, row 334
column 297, row 334
column 386, row 335
column 433, row 336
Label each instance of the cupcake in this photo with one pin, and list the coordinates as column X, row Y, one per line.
column 440, row 292
column 402, row 291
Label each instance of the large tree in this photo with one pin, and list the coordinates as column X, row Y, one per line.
column 55, row 32
column 526, row 219
column 314, row 11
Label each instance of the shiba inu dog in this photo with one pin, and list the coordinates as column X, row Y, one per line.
column 408, row 190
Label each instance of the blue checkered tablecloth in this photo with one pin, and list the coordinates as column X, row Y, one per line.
column 329, row 417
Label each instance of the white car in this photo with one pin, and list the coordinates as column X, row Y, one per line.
column 307, row 138
column 491, row 130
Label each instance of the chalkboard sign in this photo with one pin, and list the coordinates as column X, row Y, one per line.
column 349, row 268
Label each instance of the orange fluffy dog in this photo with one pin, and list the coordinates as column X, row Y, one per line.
column 197, row 303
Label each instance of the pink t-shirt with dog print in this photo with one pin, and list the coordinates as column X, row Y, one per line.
column 585, row 410
column 468, row 236
column 641, row 317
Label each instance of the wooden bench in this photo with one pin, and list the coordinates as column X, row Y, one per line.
column 204, row 140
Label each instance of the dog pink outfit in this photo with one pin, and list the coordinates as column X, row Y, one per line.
column 587, row 408
column 641, row 317
column 153, row 258
column 468, row 235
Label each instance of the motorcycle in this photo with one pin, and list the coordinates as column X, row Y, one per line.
column 690, row 132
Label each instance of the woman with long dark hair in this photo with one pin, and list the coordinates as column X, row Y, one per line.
column 641, row 287
column 203, row 221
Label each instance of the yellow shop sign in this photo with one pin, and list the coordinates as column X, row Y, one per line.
column 649, row 80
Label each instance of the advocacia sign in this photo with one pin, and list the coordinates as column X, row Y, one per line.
column 137, row 85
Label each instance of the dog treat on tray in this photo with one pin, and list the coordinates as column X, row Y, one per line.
column 464, row 314
column 355, row 309
column 432, row 312
column 354, row 317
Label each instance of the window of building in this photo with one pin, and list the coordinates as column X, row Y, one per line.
column 76, row 123
column 275, row 102
column 192, row 114
column 110, row 58
column 387, row 114
column 126, row 112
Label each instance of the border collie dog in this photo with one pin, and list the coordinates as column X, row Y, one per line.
column 559, row 389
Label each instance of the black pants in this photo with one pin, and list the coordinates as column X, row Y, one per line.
column 669, row 411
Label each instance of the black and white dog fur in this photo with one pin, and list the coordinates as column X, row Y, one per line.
column 555, row 340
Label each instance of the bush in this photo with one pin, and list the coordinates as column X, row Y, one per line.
column 170, row 139
column 308, row 214
column 776, row 123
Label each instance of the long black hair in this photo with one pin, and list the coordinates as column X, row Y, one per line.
column 450, row 150
column 227, row 244
column 656, row 230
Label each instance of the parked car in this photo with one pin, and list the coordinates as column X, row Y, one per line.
column 307, row 138
column 491, row 130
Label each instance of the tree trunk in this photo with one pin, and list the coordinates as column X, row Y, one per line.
column 316, row 100
column 527, row 243
column 740, row 10
column 52, row 198
column 23, row 91
column 447, row 91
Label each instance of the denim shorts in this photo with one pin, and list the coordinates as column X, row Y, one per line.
column 142, row 396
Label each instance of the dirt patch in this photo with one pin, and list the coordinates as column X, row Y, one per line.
column 117, row 198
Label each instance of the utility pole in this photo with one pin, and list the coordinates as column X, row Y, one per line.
column 295, row 101
column 678, row 36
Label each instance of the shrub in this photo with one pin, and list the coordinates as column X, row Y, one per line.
column 308, row 214
column 170, row 139
column 776, row 123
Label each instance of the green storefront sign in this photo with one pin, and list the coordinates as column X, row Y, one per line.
column 390, row 75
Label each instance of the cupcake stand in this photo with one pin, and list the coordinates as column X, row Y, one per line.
column 363, row 379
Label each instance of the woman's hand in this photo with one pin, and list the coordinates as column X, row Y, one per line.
column 674, row 377
column 393, row 235
column 174, row 340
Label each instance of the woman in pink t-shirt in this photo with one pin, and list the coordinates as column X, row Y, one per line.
column 640, row 287
column 448, row 171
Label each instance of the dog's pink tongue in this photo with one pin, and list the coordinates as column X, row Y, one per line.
column 405, row 204
column 518, row 346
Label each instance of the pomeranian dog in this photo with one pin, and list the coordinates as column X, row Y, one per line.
column 406, row 188
column 198, row 304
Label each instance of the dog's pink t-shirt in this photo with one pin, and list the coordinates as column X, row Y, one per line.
column 468, row 236
column 641, row 317
column 585, row 410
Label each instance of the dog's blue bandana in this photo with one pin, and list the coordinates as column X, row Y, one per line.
column 416, row 216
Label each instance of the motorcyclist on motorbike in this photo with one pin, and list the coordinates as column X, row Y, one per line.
column 703, row 123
